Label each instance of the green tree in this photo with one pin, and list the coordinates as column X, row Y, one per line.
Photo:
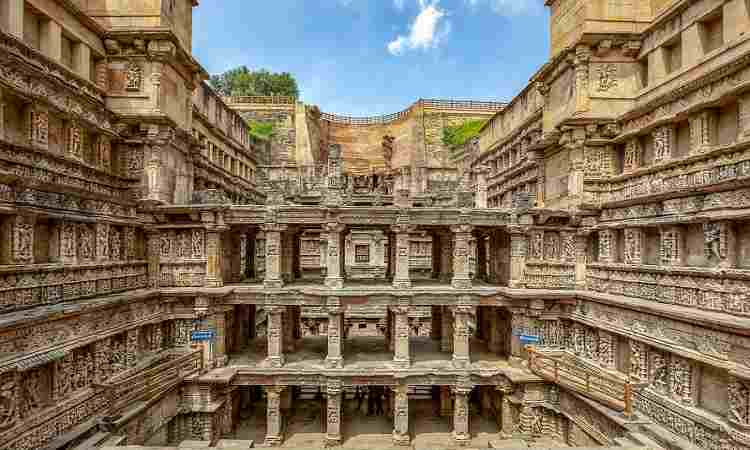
column 242, row 81
column 458, row 135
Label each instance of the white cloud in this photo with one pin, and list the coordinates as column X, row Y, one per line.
column 427, row 31
column 508, row 7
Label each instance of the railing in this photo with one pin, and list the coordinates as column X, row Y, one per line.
column 126, row 391
column 423, row 103
column 606, row 387
column 261, row 99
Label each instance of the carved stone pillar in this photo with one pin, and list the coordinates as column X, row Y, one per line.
column 12, row 11
column 333, row 414
column 401, row 278
column 446, row 403
column 275, row 335
column 703, row 131
column 290, row 322
column 461, row 336
column 607, row 350
column 461, row 416
column 634, row 246
column 401, row 415
column 37, row 118
column 334, row 256
column 461, row 253
column 131, row 346
column 720, row 243
column 214, row 257
column 335, row 357
column 273, row 255
column 633, row 157
column 67, row 242
column 401, row 356
column 436, row 326
column 101, row 249
column 744, row 116
column 153, row 238
column 665, row 142
column 446, row 335
column 481, row 193
column 519, row 246
column 218, row 323
column 608, row 246
column 580, row 241
column 274, row 418
column 446, row 256
column 18, row 240
column 672, row 246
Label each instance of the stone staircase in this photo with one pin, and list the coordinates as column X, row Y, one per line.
column 657, row 437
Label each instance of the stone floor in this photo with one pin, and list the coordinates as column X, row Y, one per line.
column 368, row 353
column 306, row 430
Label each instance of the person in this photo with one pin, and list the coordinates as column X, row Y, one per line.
column 359, row 396
column 379, row 401
column 370, row 402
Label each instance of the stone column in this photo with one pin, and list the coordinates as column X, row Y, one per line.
column 744, row 117
column 446, row 403
column 81, row 56
column 608, row 246
column 290, row 321
column 214, row 257
column 581, row 249
column 275, row 335
column 50, row 39
column 218, row 323
column 446, row 335
column 461, row 336
column 333, row 414
column 274, row 418
column 401, row 278
column 506, row 415
column 671, row 252
column 18, row 240
column 401, row 415
column 634, row 246
column 436, row 327
column 720, row 243
column 461, row 253
column 446, row 256
column 273, row 255
column 101, row 247
column 334, row 256
column 401, row 357
column 703, row 131
column 495, row 337
column 153, row 254
column 665, row 140
column 519, row 247
column 481, row 193
column 335, row 357
column 12, row 12
column 461, row 416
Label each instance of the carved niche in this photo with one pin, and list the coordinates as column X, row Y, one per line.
column 638, row 361
column 664, row 142
column 104, row 153
column 715, row 236
column 739, row 402
column 633, row 251
column 85, row 241
column 702, row 131
column 670, row 252
column 74, row 147
column 133, row 76
column 632, row 158
column 39, row 127
column 551, row 246
column 23, row 239
column 681, row 383
column 659, row 372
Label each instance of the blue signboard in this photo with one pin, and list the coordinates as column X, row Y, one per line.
column 526, row 339
column 202, row 335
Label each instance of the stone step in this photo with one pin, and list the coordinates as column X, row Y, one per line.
column 93, row 441
column 666, row 438
column 625, row 441
column 646, row 441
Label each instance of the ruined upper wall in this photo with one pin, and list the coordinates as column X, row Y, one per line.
column 303, row 133
column 147, row 15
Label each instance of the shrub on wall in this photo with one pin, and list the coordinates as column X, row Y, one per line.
column 261, row 130
column 458, row 135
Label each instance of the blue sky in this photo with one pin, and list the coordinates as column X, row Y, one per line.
column 369, row 57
